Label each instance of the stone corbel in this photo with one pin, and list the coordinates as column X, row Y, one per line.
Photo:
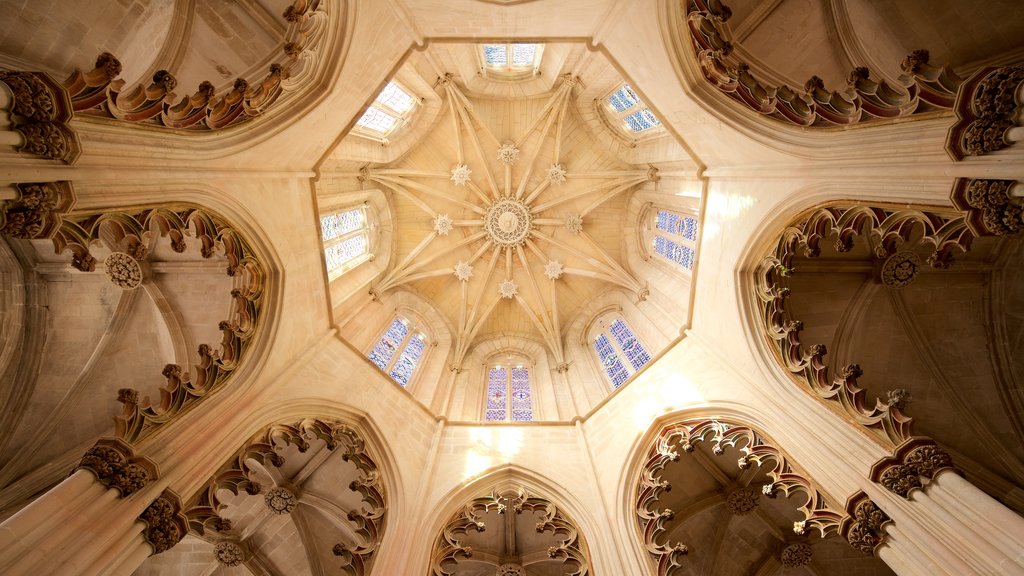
column 115, row 465
column 864, row 525
column 165, row 523
column 37, row 211
column 990, row 209
column 41, row 112
column 987, row 106
column 918, row 457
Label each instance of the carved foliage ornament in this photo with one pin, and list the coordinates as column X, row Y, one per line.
column 742, row 501
column 236, row 476
column 571, row 549
column 991, row 208
column 864, row 527
column 986, row 108
column 796, row 555
column 40, row 113
column 229, row 553
column 888, row 231
column 918, row 457
column 922, row 87
column 37, row 211
column 676, row 439
column 115, row 465
column 280, row 500
column 131, row 233
column 165, row 524
column 99, row 92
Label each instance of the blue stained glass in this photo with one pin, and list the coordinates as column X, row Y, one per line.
column 407, row 362
column 675, row 224
column 642, row 120
column 690, row 229
column 523, row 54
column 496, row 54
column 339, row 223
column 496, row 395
column 678, row 253
column 610, row 360
column 345, row 251
column 623, row 99
column 630, row 345
column 522, row 405
column 388, row 344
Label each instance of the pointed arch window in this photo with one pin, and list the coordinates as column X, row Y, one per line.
column 628, row 112
column 346, row 238
column 389, row 112
column 619, row 351
column 509, row 397
column 673, row 237
column 399, row 350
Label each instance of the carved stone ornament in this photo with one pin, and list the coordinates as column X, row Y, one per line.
column 888, row 231
column 922, row 87
column 556, row 174
column 463, row 271
column 553, row 269
column 449, row 547
column 990, row 207
column 236, row 476
column 796, row 555
column 461, row 175
column 679, row 438
column 987, row 106
column 574, row 223
column 508, row 289
column 742, row 501
column 213, row 235
column 510, row 570
column 229, row 553
column 508, row 222
column 900, row 269
column 508, row 153
column 123, row 271
column 115, row 465
column 280, row 500
column 864, row 527
column 443, row 224
column 41, row 111
column 919, row 457
column 165, row 524
column 37, row 211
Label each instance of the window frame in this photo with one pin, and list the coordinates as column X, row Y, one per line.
column 514, row 362
column 510, row 71
column 602, row 326
column 652, row 232
column 402, row 119
column 366, row 230
column 617, row 119
column 413, row 330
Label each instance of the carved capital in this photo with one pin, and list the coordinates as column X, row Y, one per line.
column 41, row 112
column 115, row 465
column 989, row 207
column 986, row 108
column 165, row 524
column 37, row 211
column 864, row 525
column 919, row 457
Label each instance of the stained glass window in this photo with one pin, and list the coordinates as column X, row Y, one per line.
column 631, row 347
column 610, row 361
column 679, row 253
column 334, row 225
column 389, row 343
column 497, row 395
column 675, row 224
column 406, row 363
column 623, row 99
column 343, row 252
column 641, row 120
column 513, row 59
column 674, row 237
column 496, row 54
column 522, row 405
column 625, row 105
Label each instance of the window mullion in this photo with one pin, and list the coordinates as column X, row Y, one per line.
column 398, row 351
column 618, row 350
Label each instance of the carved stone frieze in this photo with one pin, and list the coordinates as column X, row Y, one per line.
column 236, row 476
column 679, row 438
column 987, row 106
column 99, row 92
column 116, row 466
column 991, row 209
column 919, row 457
column 796, row 555
column 132, row 233
column 37, row 211
column 165, row 524
column 889, row 232
column 921, row 88
column 864, row 527
column 570, row 549
column 40, row 113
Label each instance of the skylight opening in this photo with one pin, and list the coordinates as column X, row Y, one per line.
column 346, row 239
column 625, row 106
column 512, row 60
column 388, row 111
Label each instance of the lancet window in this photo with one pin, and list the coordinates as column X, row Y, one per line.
column 629, row 112
column 511, row 60
column 673, row 237
column 346, row 238
column 389, row 112
column 399, row 350
column 509, row 396
column 618, row 350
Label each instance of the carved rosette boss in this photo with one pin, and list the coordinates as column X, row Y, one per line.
column 280, row 500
